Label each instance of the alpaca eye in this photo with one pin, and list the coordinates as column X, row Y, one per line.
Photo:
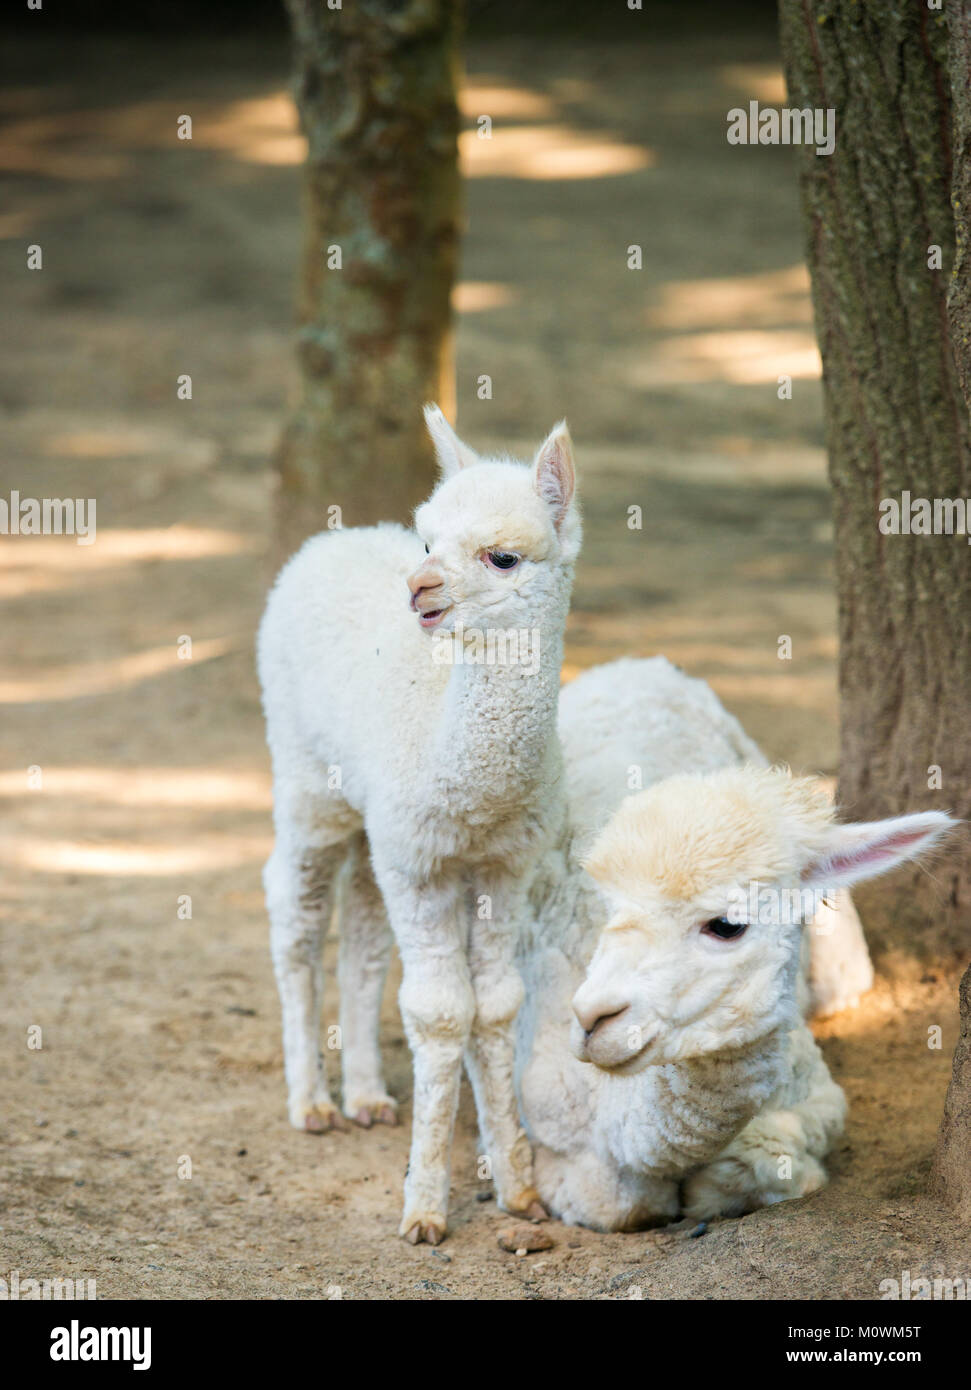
column 427, row 551
column 502, row 559
column 724, row 930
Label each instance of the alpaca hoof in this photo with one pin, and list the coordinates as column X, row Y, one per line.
column 527, row 1203
column 836, row 1004
column 430, row 1229
column 321, row 1118
column 372, row 1110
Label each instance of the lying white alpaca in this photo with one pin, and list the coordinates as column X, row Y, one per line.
column 441, row 774
column 708, row 1095
column 627, row 724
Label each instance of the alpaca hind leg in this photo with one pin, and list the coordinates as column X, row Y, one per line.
column 299, row 879
column 364, row 952
column 840, row 969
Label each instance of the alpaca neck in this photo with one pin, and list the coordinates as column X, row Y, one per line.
column 496, row 732
column 696, row 1107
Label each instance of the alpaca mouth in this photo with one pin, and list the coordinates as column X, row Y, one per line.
column 633, row 1062
column 432, row 618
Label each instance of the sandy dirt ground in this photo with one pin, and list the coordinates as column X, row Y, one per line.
column 160, row 1032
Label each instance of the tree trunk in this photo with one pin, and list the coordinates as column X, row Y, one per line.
column 896, row 421
column 959, row 291
column 952, row 1164
column 375, row 86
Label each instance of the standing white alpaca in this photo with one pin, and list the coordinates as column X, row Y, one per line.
column 707, row 1095
column 439, row 768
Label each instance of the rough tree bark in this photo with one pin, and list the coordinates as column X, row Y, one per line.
column 952, row 1163
column 896, row 421
column 376, row 91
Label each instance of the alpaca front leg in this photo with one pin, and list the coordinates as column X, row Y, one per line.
column 437, row 1006
column 298, row 881
column 768, row 1162
column 778, row 1155
column 490, row 1060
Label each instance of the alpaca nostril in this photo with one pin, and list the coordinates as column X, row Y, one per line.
column 416, row 597
column 603, row 1018
column 425, row 577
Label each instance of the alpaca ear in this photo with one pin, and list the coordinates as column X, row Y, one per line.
column 855, row 852
column 554, row 473
column 451, row 453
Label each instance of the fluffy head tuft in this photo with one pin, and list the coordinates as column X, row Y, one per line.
column 690, row 832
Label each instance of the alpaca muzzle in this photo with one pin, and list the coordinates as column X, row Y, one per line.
column 428, row 598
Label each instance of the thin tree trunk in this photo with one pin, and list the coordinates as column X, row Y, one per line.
column 896, row 421
column 375, row 86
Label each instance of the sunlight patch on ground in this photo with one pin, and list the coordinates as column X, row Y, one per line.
column 812, row 690
column 764, row 82
column 743, row 457
column 753, row 674
column 125, row 859
column 39, row 564
column 548, row 152
column 741, row 358
column 482, row 97
column 475, row 296
column 103, row 677
column 771, row 569
column 125, row 440
column 739, row 656
column 102, row 143
column 730, row 459
column 261, row 130
column 147, row 786
column 766, row 299
column 121, row 545
column 26, row 151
